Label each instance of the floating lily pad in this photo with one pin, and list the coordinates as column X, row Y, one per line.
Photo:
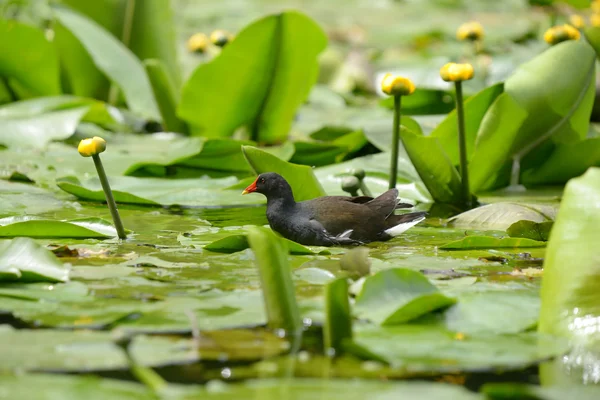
column 398, row 295
column 22, row 259
column 489, row 242
column 78, row 351
column 500, row 216
column 233, row 243
column 46, row 228
column 155, row 191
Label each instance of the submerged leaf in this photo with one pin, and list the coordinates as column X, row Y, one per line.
column 398, row 295
column 530, row 230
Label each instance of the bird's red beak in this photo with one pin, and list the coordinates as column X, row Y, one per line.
column 251, row 188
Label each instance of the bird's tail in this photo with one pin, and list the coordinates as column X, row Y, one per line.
column 398, row 224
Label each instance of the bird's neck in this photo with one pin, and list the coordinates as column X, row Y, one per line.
column 283, row 199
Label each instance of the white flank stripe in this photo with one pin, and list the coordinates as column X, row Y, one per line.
column 401, row 228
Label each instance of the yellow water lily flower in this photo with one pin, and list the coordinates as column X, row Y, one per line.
column 595, row 20
column 197, row 43
column 453, row 72
column 470, row 31
column 577, row 21
column 91, row 146
column 397, row 85
column 220, row 37
column 560, row 33
column 595, row 6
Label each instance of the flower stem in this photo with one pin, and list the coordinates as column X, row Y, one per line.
column 110, row 200
column 462, row 145
column 395, row 142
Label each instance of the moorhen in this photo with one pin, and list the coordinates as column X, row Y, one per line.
column 332, row 220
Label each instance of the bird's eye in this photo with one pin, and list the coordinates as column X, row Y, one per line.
column 262, row 180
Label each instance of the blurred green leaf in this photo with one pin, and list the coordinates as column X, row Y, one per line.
column 570, row 296
column 263, row 92
column 338, row 317
column 115, row 60
column 31, row 74
column 301, row 178
column 25, row 260
column 276, row 280
column 398, row 295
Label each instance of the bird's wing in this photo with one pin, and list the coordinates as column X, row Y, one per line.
column 385, row 204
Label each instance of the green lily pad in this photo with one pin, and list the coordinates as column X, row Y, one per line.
column 398, row 295
column 234, row 243
column 24, row 260
column 490, row 242
column 156, row 191
column 46, row 228
column 427, row 348
column 78, row 351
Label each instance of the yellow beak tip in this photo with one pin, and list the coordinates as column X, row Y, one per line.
column 245, row 192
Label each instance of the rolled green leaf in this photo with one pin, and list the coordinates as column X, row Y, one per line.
column 165, row 94
column 276, row 280
column 338, row 320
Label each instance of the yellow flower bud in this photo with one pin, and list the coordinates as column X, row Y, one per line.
column 595, row 20
column 560, row 33
column 453, row 72
column 397, row 85
column 220, row 37
column 470, row 31
column 91, row 146
column 197, row 43
column 577, row 21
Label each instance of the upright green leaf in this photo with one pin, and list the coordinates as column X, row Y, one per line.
column 166, row 95
column 570, row 295
column 433, row 165
column 476, row 107
column 547, row 98
column 31, row 73
column 258, row 80
column 301, row 178
column 79, row 74
column 115, row 60
column 495, row 142
column 153, row 36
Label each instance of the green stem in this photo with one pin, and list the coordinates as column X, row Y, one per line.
column 395, row 142
column 338, row 318
column 145, row 375
column 365, row 189
column 462, row 145
column 110, row 200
